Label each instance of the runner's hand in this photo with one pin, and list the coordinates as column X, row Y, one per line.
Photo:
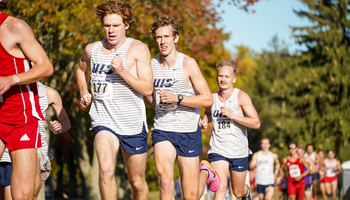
column 85, row 99
column 225, row 111
column 55, row 127
column 117, row 64
column 167, row 97
column 298, row 178
column 204, row 123
column 5, row 84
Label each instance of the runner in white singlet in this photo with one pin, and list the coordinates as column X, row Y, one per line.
column 120, row 75
column 179, row 91
column 231, row 113
column 263, row 161
column 331, row 169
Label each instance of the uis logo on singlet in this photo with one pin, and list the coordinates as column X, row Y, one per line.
column 217, row 113
column 166, row 82
column 102, row 69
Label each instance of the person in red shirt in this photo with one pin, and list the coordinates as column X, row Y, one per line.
column 296, row 173
column 19, row 103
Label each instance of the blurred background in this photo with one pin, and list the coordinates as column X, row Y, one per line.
column 293, row 58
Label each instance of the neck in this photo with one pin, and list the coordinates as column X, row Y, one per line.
column 264, row 151
column 114, row 48
column 168, row 60
column 226, row 93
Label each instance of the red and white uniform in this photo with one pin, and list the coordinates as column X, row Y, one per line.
column 19, row 106
column 330, row 170
column 295, row 169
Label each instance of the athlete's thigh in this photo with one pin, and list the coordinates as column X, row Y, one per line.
column 334, row 186
column 238, row 180
column 24, row 165
column 328, row 188
column 135, row 164
column 106, row 145
column 222, row 169
column 269, row 192
column 165, row 155
column 189, row 173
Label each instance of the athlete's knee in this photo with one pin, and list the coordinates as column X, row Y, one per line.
column 167, row 183
column 222, row 190
column 23, row 195
column 138, row 184
column 106, row 171
column 239, row 193
column 192, row 194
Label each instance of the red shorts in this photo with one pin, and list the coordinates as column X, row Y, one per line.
column 297, row 189
column 24, row 136
column 329, row 179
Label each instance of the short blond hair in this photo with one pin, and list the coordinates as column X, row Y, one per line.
column 112, row 7
column 228, row 62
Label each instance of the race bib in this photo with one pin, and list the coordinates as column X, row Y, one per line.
column 294, row 171
column 164, row 106
column 330, row 173
column 101, row 89
column 263, row 168
column 1, row 99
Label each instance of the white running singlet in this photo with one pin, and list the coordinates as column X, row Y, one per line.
column 172, row 117
column 229, row 138
column 264, row 171
column 115, row 104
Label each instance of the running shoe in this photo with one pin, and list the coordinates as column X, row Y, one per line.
column 45, row 165
column 213, row 180
column 249, row 197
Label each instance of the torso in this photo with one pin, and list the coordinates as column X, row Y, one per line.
column 295, row 169
column 115, row 104
column 229, row 138
column 330, row 167
column 172, row 117
column 264, row 171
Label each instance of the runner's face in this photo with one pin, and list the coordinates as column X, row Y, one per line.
column 301, row 151
column 331, row 154
column 292, row 149
column 165, row 40
column 114, row 28
column 310, row 149
column 321, row 154
column 225, row 77
column 265, row 145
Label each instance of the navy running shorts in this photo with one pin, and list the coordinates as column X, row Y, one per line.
column 235, row 164
column 134, row 144
column 186, row 144
column 261, row 188
column 5, row 173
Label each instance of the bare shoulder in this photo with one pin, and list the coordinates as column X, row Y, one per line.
column 274, row 155
column 52, row 94
column 189, row 62
column 137, row 46
column 243, row 96
column 87, row 50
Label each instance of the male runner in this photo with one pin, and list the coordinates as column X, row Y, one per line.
column 47, row 97
column 266, row 176
column 121, row 74
column 19, row 105
column 296, row 173
column 331, row 169
column 308, row 183
column 231, row 113
column 310, row 153
column 179, row 91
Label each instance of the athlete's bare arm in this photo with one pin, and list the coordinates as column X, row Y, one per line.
column 141, row 56
column 339, row 169
column 204, row 97
column 18, row 39
column 277, row 164
column 253, row 162
column 251, row 118
column 306, row 172
column 284, row 162
column 206, row 118
column 63, row 123
column 312, row 165
column 82, row 77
